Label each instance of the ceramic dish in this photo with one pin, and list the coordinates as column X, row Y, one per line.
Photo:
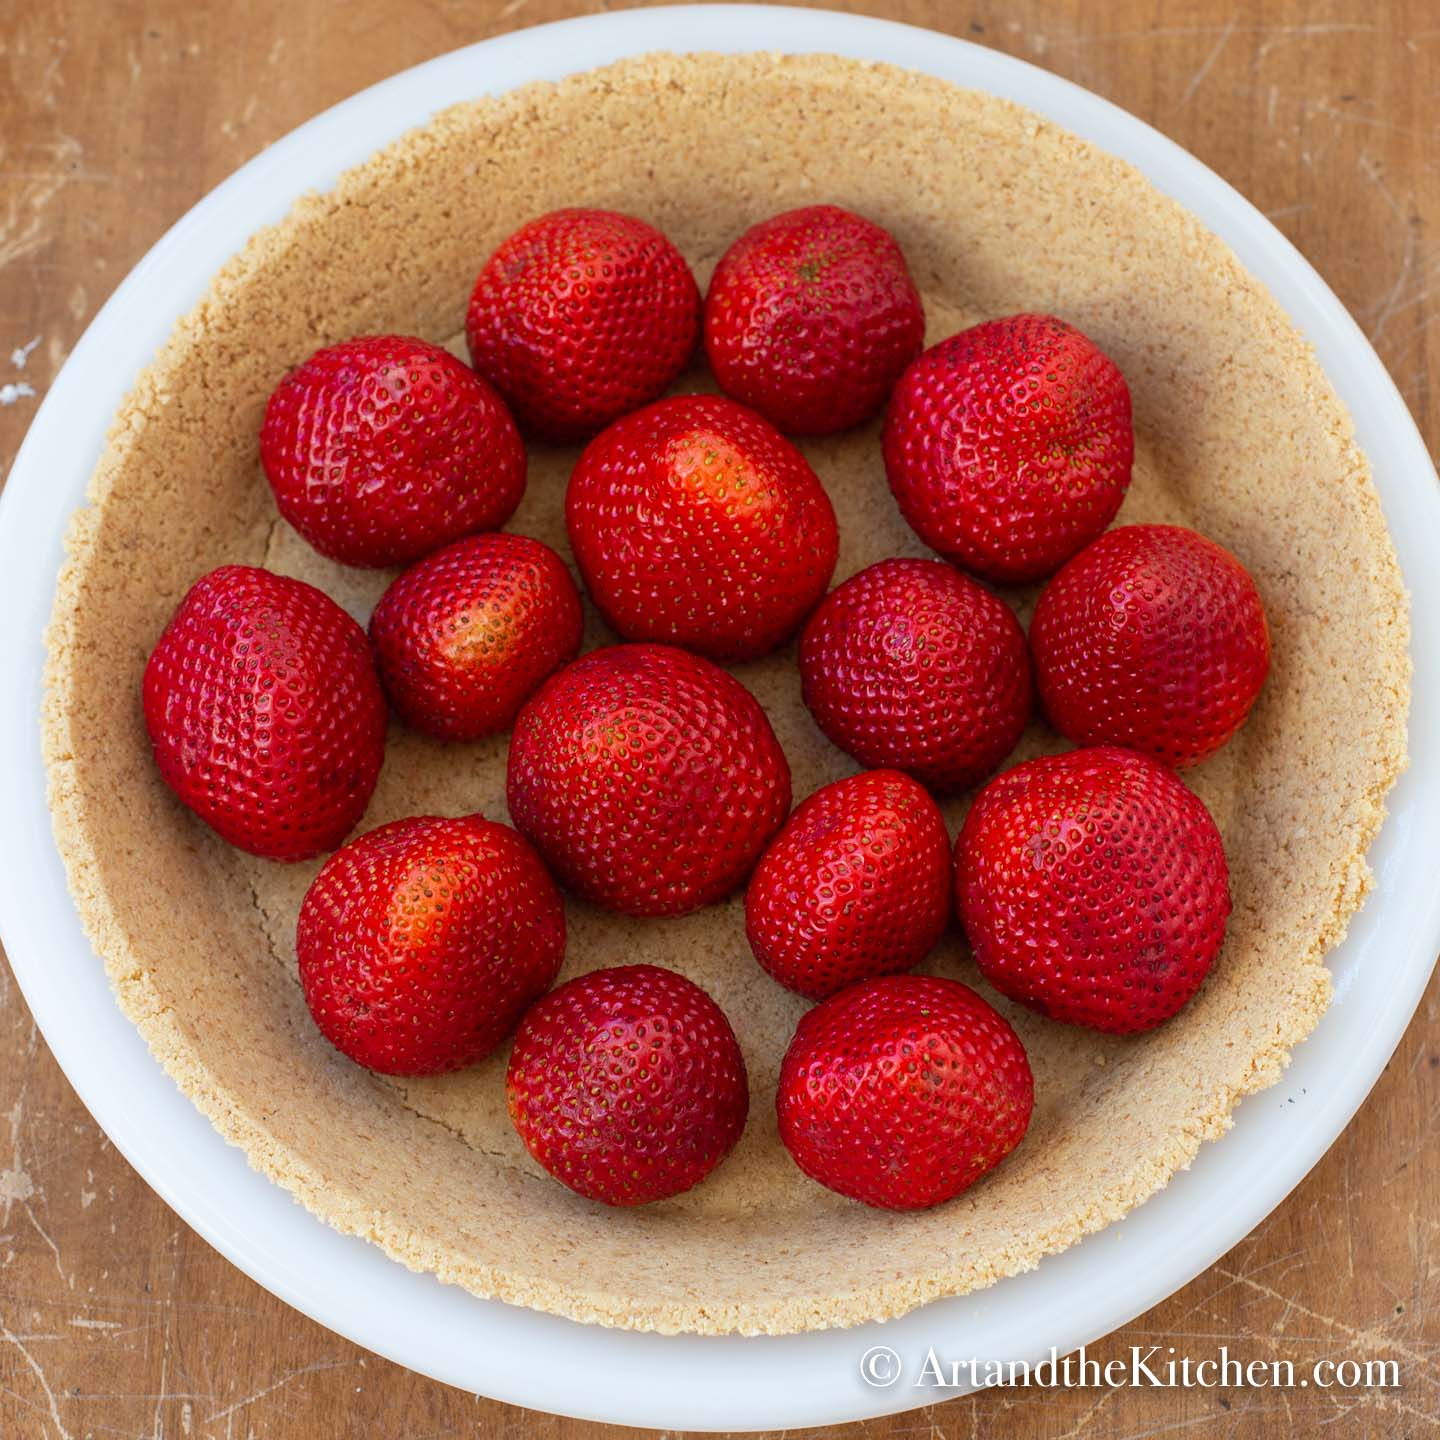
column 433, row 1197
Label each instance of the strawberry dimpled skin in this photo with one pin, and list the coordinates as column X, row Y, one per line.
column 264, row 713
column 581, row 316
column 1093, row 887
column 696, row 523
column 422, row 942
column 465, row 636
column 1009, row 446
column 903, row 1091
column 857, row 884
column 912, row 666
column 648, row 778
column 628, row 1084
column 1155, row 638
column 811, row 317
column 382, row 449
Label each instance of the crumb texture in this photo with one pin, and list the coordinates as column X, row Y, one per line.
column 1238, row 434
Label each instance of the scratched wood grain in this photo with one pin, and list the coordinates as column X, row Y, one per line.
column 115, row 1320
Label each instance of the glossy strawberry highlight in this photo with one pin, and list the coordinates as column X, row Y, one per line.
column 422, row 942
column 696, row 523
column 464, row 637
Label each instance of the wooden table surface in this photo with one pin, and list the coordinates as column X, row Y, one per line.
column 116, row 1320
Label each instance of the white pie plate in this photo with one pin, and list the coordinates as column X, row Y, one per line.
column 538, row 1360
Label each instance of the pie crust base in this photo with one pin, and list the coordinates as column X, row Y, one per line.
column 1238, row 434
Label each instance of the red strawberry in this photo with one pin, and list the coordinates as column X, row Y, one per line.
column 382, row 449
column 903, row 1091
column 422, row 942
column 911, row 665
column 627, row 1084
column 857, row 884
column 1009, row 446
column 580, row 316
column 1153, row 637
column 264, row 712
column 811, row 317
column 649, row 779
column 695, row 522
column 465, row 636
column 1093, row 887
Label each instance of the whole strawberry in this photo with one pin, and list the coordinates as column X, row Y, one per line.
column 903, row 1091
column 264, row 712
column 1153, row 637
column 581, row 316
column 464, row 637
column 627, row 1084
column 696, row 522
column 911, row 665
column 1008, row 446
column 1093, row 887
column 810, row 319
column 382, row 449
column 422, row 942
column 856, row 885
column 648, row 778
